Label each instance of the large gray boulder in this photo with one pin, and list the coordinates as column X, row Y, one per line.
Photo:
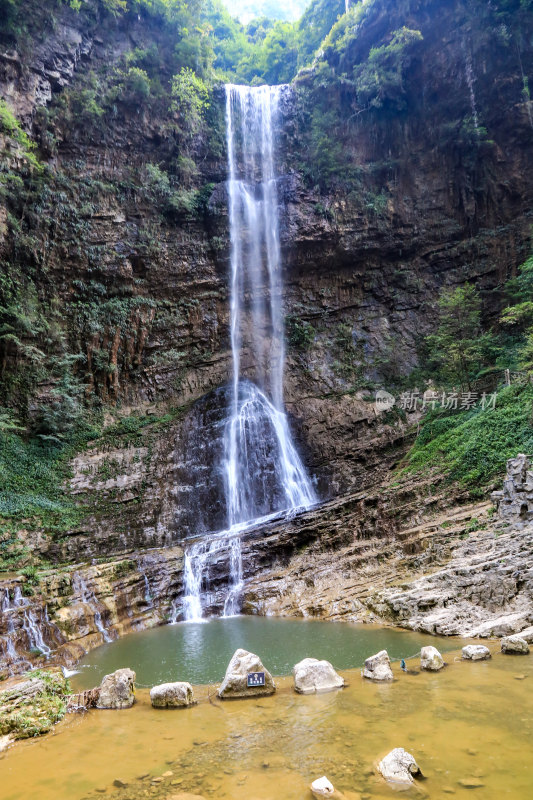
column 398, row 767
column 431, row 659
column 235, row 683
column 475, row 652
column 514, row 645
column 172, row 695
column 377, row 667
column 312, row 675
column 117, row 690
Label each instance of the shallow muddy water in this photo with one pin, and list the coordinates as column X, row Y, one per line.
column 200, row 652
column 471, row 722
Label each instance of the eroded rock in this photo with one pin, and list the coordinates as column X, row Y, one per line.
column 235, row 683
column 377, row 667
column 431, row 659
column 399, row 767
column 312, row 675
column 475, row 652
column 172, row 695
column 117, row 690
column 514, row 645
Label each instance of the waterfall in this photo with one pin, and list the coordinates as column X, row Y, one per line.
column 32, row 629
column 469, row 74
column 263, row 473
column 34, row 622
column 88, row 597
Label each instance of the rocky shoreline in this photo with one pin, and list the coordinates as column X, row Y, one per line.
column 466, row 571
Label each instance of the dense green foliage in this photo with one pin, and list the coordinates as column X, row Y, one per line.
column 472, row 446
column 459, row 349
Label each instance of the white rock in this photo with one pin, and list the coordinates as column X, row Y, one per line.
column 312, row 675
column 117, row 690
column 431, row 659
column 399, row 766
column 514, row 645
column 172, row 695
column 475, row 652
column 526, row 634
column 322, row 787
column 235, row 683
column 377, row 667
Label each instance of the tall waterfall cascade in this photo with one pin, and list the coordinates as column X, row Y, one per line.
column 263, row 472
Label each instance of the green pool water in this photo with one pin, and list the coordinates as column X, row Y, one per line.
column 200, row 652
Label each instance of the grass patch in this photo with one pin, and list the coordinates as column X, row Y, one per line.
column 472, row 446
column 33, row 707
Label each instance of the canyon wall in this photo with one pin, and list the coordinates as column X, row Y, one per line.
column 133, row 277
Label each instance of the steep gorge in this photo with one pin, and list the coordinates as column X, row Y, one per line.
column 427, row 188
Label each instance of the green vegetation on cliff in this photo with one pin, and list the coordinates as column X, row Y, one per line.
column 473, row 445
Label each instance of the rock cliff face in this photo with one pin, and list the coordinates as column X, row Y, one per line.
column 442, row 195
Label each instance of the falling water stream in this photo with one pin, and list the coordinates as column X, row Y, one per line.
column 264, row 474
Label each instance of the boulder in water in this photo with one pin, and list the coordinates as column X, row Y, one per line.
column 172, row 695
column 377, row 667
column 239, row 680
column 514, row 645
column 117, row 690
column 322, row 787
column 475, row 652
column 431, row 659
column 312, row 675
column 399, row 767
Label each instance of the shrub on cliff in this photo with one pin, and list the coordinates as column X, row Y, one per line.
column 459, row 348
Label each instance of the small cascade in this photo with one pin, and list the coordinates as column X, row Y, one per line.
column 231, row 604
column 5, row 600
column 148, row 594
column 32, row 629
column 34, row 622
column 88, row 597
column 470, row 79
